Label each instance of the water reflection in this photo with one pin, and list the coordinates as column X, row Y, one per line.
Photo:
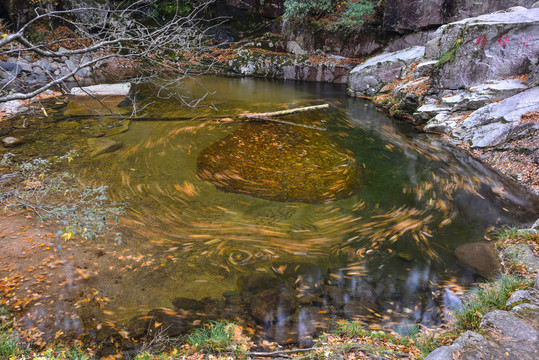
column 382, row 254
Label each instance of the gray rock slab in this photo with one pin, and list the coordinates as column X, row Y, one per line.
column 522, row 255
column 442, row 123
column 103, row 89
column 428, row 111
column 424, row 69
column 442, row 353
column 509, row 325
column 478, row 96
column 522, row 297
column 370, row 76
column 488, row 47
column 499, row 122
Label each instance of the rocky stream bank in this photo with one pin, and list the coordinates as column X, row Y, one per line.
column 474, row 80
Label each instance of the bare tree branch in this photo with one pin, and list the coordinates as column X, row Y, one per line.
column 114, row 34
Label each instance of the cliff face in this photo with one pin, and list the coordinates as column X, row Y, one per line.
column 404, row 16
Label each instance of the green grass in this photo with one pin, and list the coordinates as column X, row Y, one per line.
column 511, row 232
column 487, row 297
column 9, row 346
column 215, row 337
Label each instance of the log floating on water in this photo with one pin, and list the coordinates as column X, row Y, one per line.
column 283, row 112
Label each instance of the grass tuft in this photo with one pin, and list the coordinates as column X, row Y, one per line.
column 487, row 297
column 9, row 347
column 217, row 337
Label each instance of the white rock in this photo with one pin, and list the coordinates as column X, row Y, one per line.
column 103, row 89
column 294, row 48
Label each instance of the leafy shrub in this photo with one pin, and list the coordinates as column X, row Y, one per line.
column 344, row 15
column 357, row 13
column 302, row 11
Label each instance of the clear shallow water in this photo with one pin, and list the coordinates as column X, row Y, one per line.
column 383, row 254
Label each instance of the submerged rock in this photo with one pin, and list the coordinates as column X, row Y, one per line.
column 11, row 141
column 272, row 306
column 96, row 105
column 281, row 163
column 187, row 304
column 121, row 128
column 100, row 146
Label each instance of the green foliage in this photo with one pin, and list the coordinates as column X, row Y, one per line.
column 487, row 297
column 347, row 15
column 511, row 232
column 214, row 337
column 301, row 10
column 167, row 9
column 9, row 347
column 357, row 13
column 449, row 55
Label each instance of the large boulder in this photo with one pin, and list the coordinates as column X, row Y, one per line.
column 488, row 47
column 369, row 77
column 481, row 256
column 501, row 121
column 411, row 15
column 281, row 163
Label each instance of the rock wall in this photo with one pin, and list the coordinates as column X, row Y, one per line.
column 477, row 83
column 488, row 47
column 403, row 16
column 353, row 45
column 266, row 8
column 290, row 67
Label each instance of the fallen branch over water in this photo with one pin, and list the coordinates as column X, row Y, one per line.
column 283, row 112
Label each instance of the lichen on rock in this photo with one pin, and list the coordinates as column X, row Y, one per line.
column 281, row 163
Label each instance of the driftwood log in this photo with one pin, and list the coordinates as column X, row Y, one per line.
column 267, row 116
column 263, row 116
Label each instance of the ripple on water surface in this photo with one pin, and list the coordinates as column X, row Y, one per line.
column 288, row 228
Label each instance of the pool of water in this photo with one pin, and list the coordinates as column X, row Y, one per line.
column 287, row 227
